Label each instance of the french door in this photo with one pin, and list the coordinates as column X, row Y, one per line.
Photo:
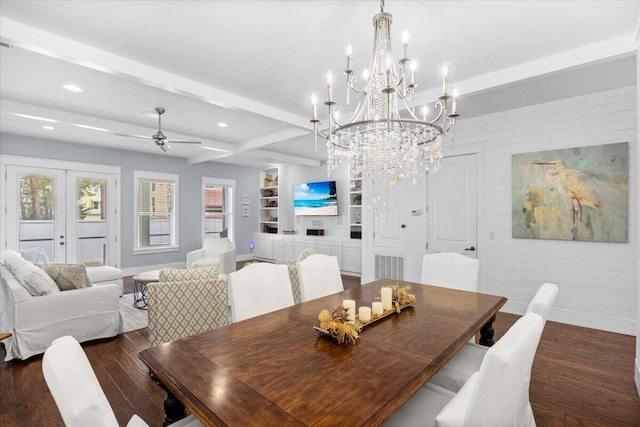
column 70, row 213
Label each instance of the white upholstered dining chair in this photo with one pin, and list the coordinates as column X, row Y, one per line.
column 291, row 263
column 496, row 395
column 78, row 393
column 319, row 276
column 259, row 288
column 457, row 371
column 450, row 270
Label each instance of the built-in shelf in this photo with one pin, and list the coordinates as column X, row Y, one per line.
column 269, row 201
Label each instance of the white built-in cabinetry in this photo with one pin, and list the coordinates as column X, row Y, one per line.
column 269, row 247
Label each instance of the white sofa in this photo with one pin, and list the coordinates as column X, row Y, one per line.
column 215, row 252
column 35, row 321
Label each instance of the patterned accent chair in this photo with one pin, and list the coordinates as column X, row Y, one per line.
column 293, row 272
column 186, row 302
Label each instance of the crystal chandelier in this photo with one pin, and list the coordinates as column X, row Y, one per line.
column 377, row 142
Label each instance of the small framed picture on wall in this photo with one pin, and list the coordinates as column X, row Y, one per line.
column 245, row 211
column 245, row 199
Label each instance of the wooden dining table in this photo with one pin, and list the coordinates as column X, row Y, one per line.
column 275, row 369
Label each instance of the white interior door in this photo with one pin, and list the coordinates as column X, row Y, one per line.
column 452, row 207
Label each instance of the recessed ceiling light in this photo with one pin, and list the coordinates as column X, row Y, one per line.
column 223, row 125
column 48, row 127
column 91, row 127
column 73, row 88
column 27, row 116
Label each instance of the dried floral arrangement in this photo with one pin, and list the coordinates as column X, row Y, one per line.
column 336, row 325
column 400, row 297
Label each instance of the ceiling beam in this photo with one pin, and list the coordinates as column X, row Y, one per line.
column 33, row 39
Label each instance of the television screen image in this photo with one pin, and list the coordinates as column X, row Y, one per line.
column 315, row 198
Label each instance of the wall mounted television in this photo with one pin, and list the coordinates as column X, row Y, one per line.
column 315, row 198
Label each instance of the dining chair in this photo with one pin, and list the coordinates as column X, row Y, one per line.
column 293, row 272
column 186, row 302
column 450, row 270
column 258, row 289
column 77, row 392
column 455, row 373
column 319, row 276
column 496, row 395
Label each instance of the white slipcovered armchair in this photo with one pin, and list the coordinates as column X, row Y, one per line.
column 215, row 252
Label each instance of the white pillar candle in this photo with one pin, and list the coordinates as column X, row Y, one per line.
column 376, row 308
column 385, row 297
column 350, row 305
column 364, row 313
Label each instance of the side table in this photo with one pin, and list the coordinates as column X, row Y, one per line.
column 140, row 282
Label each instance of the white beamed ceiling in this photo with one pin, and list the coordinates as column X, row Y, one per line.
column 254, row 64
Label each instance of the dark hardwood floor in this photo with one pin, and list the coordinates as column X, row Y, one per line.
column 581, row 377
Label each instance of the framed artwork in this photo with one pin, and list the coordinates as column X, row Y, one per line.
column 571, row 194
column 245, row 199
column 245, row 211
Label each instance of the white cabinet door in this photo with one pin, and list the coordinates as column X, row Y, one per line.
column 263, row 248
column 331, row 247
column 351, row 260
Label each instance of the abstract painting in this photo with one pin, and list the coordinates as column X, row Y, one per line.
column 572, row 194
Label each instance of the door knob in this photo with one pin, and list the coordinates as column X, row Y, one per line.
column 61, row 243
column 470, row 248
column 403, row 226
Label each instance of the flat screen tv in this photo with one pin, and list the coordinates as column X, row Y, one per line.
column 315, row 198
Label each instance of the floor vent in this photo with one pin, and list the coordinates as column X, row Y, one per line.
column 389, row 267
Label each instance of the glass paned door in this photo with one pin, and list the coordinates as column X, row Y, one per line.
column 90, row 211
column 70, row 214
column 218, row 211
column 37, row 215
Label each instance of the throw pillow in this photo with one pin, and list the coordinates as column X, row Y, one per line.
column 68, row 276
column 12, row 260
column 35, row 255
column 35, row 280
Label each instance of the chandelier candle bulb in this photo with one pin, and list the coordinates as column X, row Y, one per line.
column 385, row 297
column 329, row 85
column 445, row 78
column 349, row 51
column 454, row 94
column 313, row 104
column 405, row 39
column 364, row 314
column 413, row 66
column 376, row 308
column 350, row 306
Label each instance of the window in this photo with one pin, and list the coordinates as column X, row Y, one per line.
column 156, row 222
column 218, row 201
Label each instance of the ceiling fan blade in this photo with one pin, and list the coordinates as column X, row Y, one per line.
column 177, row 141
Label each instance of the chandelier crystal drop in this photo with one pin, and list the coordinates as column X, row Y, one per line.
column 378, row 143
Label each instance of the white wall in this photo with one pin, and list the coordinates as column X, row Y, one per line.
column 598, row 281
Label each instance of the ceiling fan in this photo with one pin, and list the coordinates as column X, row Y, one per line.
column 159, row 138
